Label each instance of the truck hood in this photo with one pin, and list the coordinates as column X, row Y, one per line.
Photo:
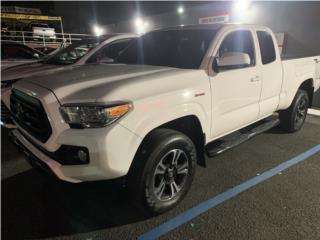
column 94, row 81
column 27, row 70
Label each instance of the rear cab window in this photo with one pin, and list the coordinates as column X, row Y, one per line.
column 267, row 50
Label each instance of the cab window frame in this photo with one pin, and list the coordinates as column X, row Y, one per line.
column 254, row 54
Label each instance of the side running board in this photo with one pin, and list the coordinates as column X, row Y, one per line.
column 234, row 139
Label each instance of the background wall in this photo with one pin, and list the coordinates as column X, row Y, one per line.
column 300, row 20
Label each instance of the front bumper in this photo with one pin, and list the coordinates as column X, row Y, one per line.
column 38, row 159
column 111, row 152
column 111, row 149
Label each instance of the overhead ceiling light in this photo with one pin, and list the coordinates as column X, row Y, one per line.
column 141, row 25
column 180, row 10
column 97, row 30
column 138, row 21
column 242, row 5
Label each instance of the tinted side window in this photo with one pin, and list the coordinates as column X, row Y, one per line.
column 114, row 50
column 180, row 48
column 239, row 41
column 267, row 50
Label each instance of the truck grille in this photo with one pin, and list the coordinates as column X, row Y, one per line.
column 29, row 113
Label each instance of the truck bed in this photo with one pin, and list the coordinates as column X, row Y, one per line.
column 297, row 69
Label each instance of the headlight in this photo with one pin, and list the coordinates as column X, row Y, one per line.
column 92, row 115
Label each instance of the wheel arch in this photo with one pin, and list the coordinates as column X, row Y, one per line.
column 189, row 125
column 308, row 86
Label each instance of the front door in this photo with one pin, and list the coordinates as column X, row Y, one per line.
column 235, row 90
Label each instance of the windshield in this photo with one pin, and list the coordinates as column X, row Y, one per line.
column 171, row 48
column 73, row 52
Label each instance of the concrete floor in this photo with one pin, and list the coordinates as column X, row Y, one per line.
column 287, row 206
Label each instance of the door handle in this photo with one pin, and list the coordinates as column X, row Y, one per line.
column 255, row 79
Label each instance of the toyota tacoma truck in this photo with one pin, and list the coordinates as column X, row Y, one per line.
column 170, row 99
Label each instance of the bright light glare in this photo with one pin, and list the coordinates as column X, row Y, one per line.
column 138, row 22
column 141, row 25
column 180, row 10
column 241, row 5
column 145, row 24
column 97, row 30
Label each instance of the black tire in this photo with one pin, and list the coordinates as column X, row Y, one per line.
column 151, row 188
column 292, row 119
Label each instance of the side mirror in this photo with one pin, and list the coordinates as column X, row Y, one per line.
column 105, row 60
column 36, row 55
column 232, row 60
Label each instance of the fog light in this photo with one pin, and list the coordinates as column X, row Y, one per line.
column 82, row 155
column 72, row 155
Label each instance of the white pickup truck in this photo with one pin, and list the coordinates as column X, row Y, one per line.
column 42, row 31
column 160, row 108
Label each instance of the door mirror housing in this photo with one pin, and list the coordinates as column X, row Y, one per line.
column 36, row 55
column 231, row 60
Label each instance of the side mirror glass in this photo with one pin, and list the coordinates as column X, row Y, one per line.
column 232, row 60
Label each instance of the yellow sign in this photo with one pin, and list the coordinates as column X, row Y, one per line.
column 29, row 17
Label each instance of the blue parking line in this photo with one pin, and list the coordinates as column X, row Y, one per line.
column 232, row 192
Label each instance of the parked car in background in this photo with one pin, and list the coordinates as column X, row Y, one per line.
column 42, row 31
column 14, row 54
column 46, row 49
column 50, row 52
column 161, row 107
column 92, row 50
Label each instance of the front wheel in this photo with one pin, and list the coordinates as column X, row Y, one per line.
column 162, row 171
column 293, row 118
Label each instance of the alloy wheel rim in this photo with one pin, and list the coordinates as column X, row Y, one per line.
column 301, row 111
column 170, row 174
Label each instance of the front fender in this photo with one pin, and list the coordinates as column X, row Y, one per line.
column 145, row 117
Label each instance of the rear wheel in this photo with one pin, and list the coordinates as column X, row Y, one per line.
column 162, row 171
column 292, row 119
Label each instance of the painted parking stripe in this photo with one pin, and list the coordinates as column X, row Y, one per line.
column 212, row 202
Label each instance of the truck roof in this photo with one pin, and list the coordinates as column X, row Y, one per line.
column 215, row 26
